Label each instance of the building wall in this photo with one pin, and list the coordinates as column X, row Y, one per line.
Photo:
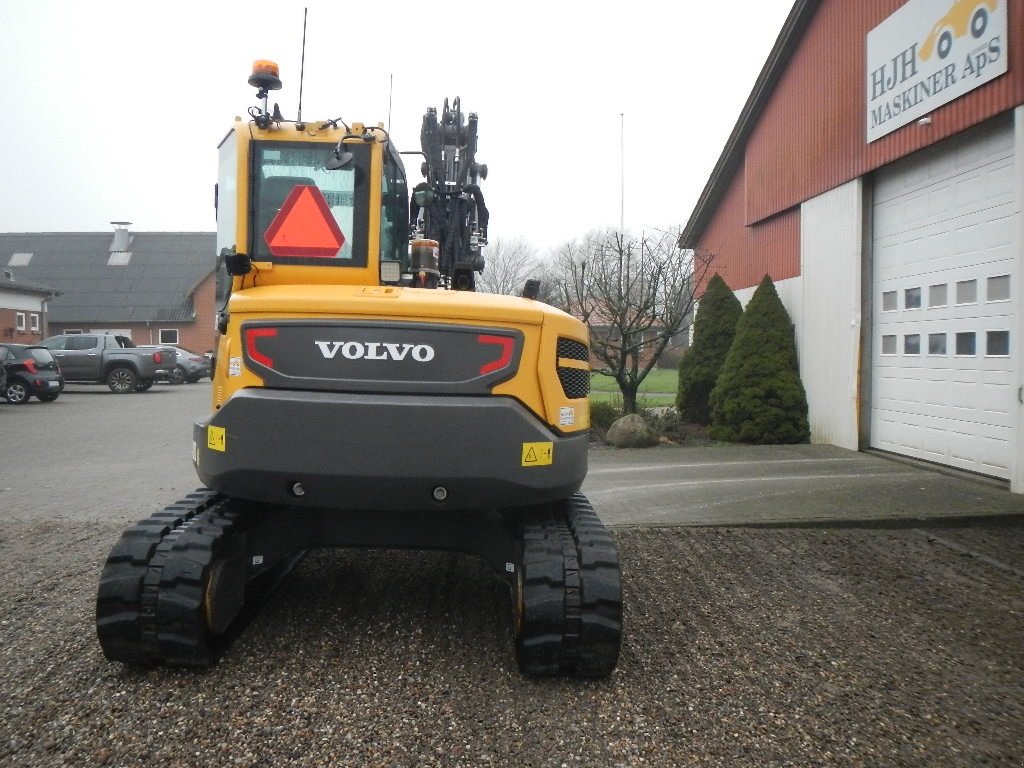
column 200, row 335
column 14, row 303
column 810, row 138
column 744, row 255
column 9, row 328
column 1017, row 464
column 197, row 336
column 830, row 325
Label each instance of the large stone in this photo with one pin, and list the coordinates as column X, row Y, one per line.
column 631, row 431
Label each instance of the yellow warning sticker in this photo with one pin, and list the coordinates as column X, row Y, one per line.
column 216, row 438
column 538, row 454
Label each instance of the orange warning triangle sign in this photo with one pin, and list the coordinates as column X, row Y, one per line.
column 305, row 226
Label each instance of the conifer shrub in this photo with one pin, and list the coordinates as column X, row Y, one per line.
column 713, row 331
column 759, row 397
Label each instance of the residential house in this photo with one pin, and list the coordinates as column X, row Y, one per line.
column 154, row 287
column 23, row 308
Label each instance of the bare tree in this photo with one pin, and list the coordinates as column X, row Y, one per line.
column 510, row 263
column 636, row 295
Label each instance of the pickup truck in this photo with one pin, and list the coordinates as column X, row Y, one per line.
column 103, row 358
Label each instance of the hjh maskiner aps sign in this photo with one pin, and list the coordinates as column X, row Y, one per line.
column 929, row 53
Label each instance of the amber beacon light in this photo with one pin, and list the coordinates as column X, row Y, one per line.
column 265, row 75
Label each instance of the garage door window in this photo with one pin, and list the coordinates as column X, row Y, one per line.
column 889, row 301
column 936, row 344
column 889, row 344
column 967, row 292
column 965, row 344
column 997, row 343
column 937, row 295
column 912, row 344
column 998, row 288
column 912, row 298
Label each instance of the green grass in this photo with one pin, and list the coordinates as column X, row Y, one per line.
column 663, row 380
column 657, row 390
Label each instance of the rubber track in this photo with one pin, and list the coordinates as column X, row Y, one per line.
column 571, row 619
column 133, row 601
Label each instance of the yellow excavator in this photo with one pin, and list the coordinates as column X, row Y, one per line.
column 365, row 395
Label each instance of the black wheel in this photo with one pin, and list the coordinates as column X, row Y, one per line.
column 16, row 393
column 144, row 384
column 121, row 380
column 567, row 606
column 48, row 398
column 178, row 375
column 979, row 21
column 945, row 44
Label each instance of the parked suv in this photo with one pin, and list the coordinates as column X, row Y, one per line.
column 191, row 367
column 31, row 371
column 107, row 358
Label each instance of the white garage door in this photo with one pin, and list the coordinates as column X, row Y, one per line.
column 943, row 377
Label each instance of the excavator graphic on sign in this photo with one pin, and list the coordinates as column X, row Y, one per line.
column 364, row 395
column 963, row 17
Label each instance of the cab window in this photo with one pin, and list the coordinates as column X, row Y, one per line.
column 80, row 342
column 278, row 168
column 394, row 214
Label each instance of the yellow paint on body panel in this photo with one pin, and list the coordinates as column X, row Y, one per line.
column 216, row 438
column 538, row 454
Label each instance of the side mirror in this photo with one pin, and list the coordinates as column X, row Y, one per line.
column 338, row 159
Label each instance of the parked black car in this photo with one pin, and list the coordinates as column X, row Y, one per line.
column 31, row 372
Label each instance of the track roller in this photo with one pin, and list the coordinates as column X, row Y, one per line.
column 567, row 602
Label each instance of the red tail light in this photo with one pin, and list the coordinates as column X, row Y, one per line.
column 158, row 357
column 506, row 343
column 30, row 366
column 251, row 334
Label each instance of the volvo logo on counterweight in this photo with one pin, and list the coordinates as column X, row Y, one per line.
column 375, row 350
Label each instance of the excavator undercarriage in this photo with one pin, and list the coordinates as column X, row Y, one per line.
column 180, row 585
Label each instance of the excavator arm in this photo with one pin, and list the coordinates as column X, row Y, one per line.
column 448, row 207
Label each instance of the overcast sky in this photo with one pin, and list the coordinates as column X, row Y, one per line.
column 113, row 110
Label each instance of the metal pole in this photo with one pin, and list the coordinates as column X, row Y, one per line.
column 622, row 172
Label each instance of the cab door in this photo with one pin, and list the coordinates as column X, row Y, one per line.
column 80, row 358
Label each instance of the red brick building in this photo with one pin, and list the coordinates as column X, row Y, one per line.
column 23, row 309
column 876, row 173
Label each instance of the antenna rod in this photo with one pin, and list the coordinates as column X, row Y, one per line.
column 302, row 66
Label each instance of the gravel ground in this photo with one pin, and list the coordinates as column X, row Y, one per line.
column 743, row 647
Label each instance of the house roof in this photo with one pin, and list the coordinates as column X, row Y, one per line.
column 154, row 283
column 16, row 284
column 732, row 156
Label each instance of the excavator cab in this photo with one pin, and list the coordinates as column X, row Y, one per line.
column 365, row 396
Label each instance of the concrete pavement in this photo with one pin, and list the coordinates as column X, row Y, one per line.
column 123, row 457
column 779, row 485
